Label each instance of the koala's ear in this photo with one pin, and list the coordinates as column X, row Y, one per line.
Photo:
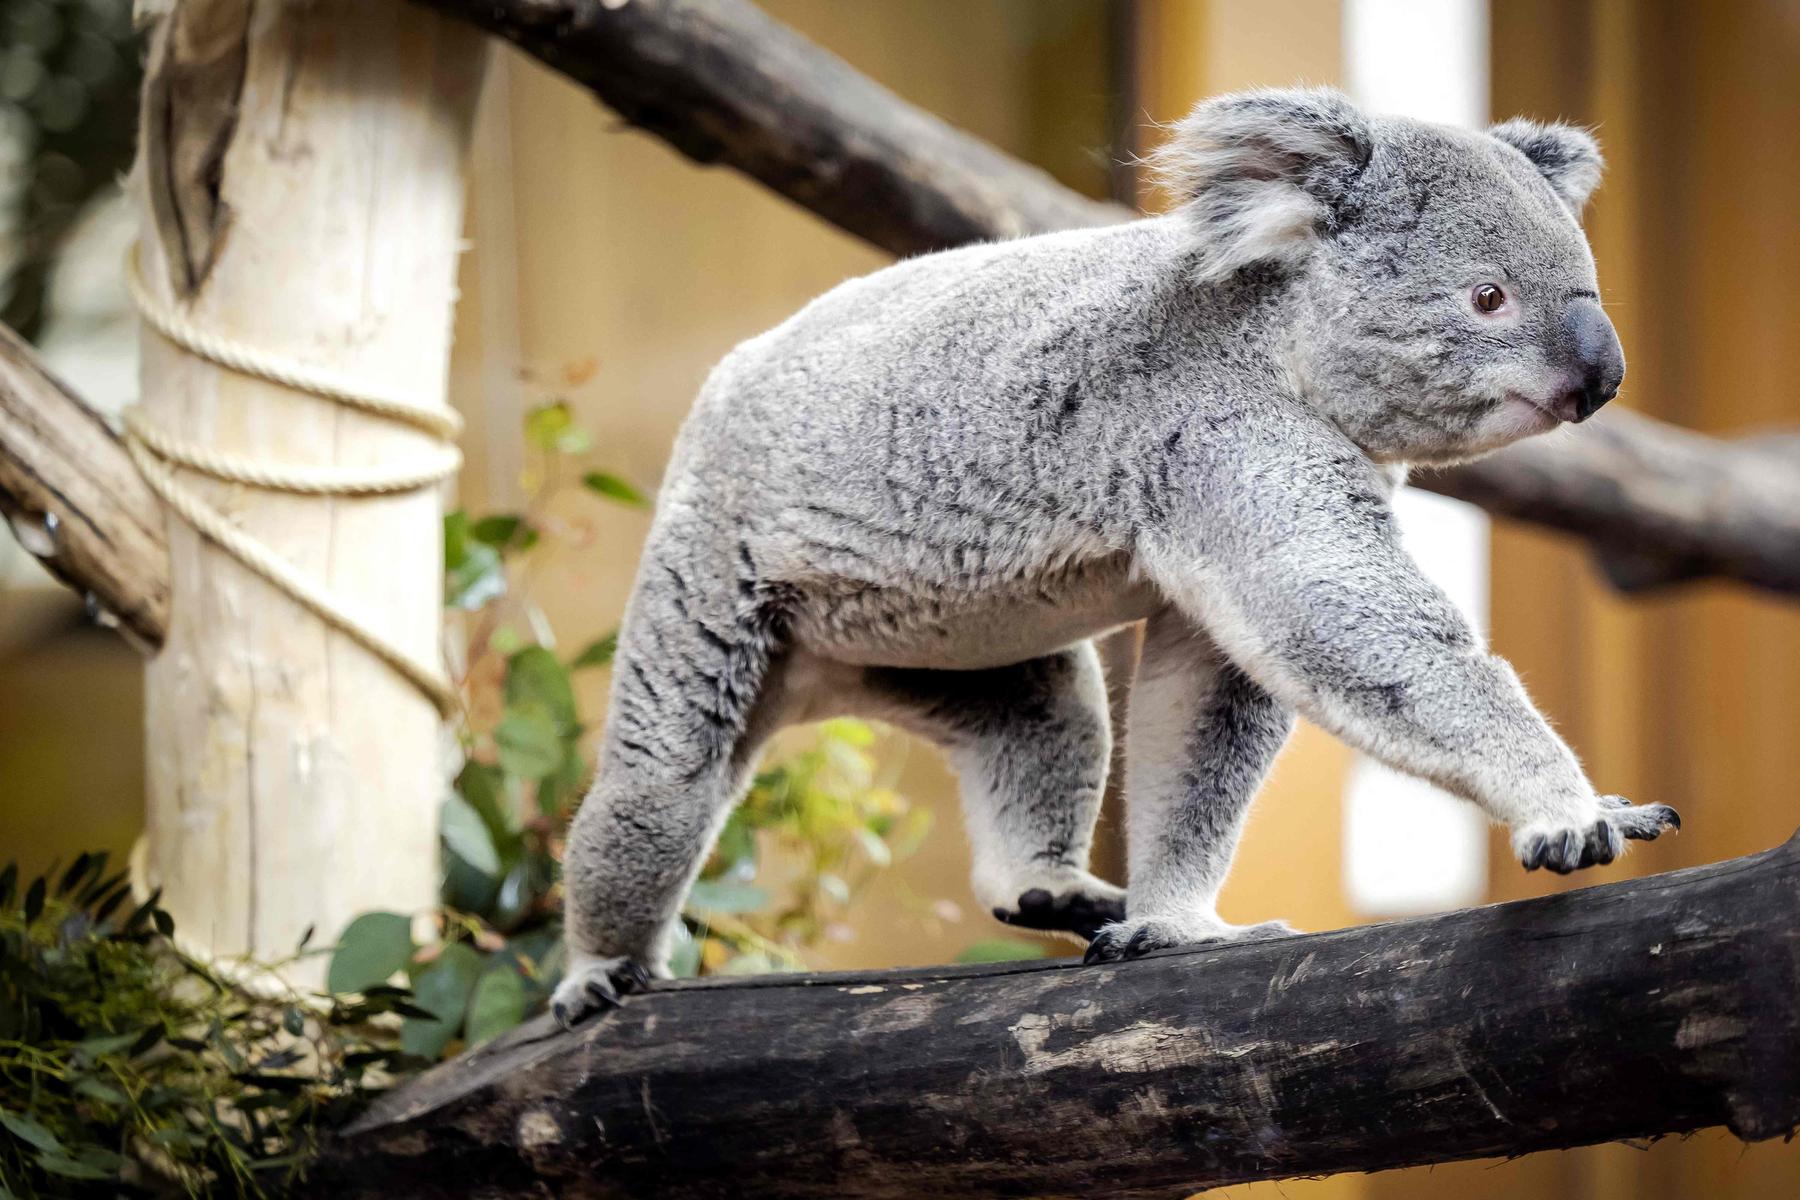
column 1566, row 156
column 1260, row 173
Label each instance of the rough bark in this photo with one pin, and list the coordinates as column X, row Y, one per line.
column 1657, row 504
column 1631, row 1010
column 74, row 498
column 300, row 189
column 722, row 82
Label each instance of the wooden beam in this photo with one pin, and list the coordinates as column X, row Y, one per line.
column 74, row 498
column 300, row 196
column 723, row 83
column 1632, row 1010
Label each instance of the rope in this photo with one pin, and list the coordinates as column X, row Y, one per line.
column 441, row 423
column 302, row 481
column 155, row 451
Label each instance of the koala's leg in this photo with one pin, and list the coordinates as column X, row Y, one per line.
column 1200, row 737
column 1292, row 560
column 681, row 736
column 1030, row 744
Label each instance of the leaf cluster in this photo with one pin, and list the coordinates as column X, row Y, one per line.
column 129, row 1068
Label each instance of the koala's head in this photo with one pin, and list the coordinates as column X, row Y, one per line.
column 1446, row 296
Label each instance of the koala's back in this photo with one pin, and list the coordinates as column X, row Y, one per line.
column 928, row 459
column 949, row 357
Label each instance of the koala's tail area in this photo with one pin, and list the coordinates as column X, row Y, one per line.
column 695, row 655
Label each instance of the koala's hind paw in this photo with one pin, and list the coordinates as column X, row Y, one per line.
column 1081, row 910
column 593, row 984
column 1138, row 936
column 1593, row 843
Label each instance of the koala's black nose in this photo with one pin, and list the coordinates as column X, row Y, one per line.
column 1598, row 359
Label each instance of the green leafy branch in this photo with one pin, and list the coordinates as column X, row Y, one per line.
column 127, row 1067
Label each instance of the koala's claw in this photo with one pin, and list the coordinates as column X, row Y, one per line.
column 1124, row 940
column 594, row 986
column 1077, row 913
column 1572, row 848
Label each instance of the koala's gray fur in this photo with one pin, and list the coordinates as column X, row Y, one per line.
column 919, row 498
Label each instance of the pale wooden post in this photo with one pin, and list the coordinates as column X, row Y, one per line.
column 301, row 191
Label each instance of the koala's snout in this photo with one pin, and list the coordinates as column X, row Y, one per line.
column 1597, row 359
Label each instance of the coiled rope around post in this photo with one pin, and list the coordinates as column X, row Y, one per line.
column 156, row 452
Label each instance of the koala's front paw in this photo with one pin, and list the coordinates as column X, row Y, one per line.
column 1594, row 842
column 592, row 984
column 1080, row 904
column 1138, row 936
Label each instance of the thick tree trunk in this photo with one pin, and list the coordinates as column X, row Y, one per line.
column 1649, row 1007
column 301, row 183
column 722, row 82
column 74, row 498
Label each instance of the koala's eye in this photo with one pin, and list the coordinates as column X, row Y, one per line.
column 1489, row 297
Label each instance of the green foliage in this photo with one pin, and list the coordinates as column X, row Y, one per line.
column 373, row 948
column 821, row 813
column 69, row 72
column 613, row 488
column 127, row 1068
column 472, row 570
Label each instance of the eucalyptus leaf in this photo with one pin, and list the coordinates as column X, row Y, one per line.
column 498, row 1004
column 473, row 571
column 504, row 531
column 483, row 786
column 467, row 834
column 34, row 900
column 442, row 990
column 726, row 896
column 29, row 1131
column 70, row 1168
column 684, row 959
column 372, row 949
column 552, row 427
column 597, row 653
column 530, row 747
column 74, row 874
column 90, row 1048
column 559, row 787
column 535, row 677
column 604, row 483
column 95, row 1089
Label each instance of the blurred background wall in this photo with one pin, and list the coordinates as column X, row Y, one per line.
column 593, row 244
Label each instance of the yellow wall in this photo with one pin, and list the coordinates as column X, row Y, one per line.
column 1687, row 699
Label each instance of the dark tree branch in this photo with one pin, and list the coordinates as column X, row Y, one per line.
column 1657, row 504
column 75, row 498
column 722, row 82
column 1654, row 1006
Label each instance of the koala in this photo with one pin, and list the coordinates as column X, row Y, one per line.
column 921, row 498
